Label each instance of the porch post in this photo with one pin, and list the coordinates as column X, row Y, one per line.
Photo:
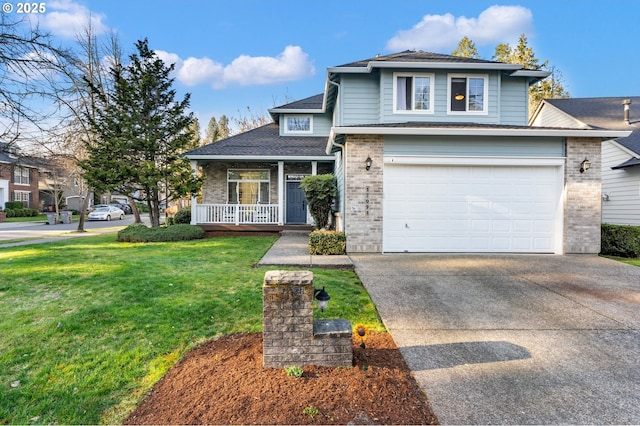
column 194, row 200
column 281, row 185
column 314, row 168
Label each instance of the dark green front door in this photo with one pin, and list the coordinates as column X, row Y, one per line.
column 296, row 203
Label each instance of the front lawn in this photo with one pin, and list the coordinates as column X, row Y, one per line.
column 89, row 325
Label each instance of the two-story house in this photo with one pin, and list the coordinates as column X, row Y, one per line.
column 431, row 153
column 18, row 179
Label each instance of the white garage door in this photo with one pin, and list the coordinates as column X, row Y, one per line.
column 471, row 208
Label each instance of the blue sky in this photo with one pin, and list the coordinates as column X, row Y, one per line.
column 235, row 54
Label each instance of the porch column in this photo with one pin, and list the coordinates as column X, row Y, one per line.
column 194, row 199
column 281, row 185
column 314, row 168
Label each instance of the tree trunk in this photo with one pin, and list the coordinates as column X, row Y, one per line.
column 134, row 209
column 83, row 212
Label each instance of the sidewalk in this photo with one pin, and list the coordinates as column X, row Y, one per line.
column 292, row 249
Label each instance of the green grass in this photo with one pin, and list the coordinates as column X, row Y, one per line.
column 89, row 325
column 629, row 261
column 39, row 218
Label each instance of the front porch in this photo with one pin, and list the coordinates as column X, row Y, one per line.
column 253, row 196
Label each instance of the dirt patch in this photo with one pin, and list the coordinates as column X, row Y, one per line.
column 223, row 382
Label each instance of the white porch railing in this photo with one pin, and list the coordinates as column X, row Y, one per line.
column 236, row 213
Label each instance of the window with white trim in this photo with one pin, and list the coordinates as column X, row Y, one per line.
column 412, row 93
column 21, row 176
column 22, row 196
column 298, row 124
column 248, row 186
column 468, row 94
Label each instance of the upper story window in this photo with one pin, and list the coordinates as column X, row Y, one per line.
column 298, row 124
column 21, row 175
column 413, row 93
column 468, row 94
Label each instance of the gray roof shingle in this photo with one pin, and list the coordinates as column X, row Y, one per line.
column 605, row 113
column 265, row 141
column 416, row 56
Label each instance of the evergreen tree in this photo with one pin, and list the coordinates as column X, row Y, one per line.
column 522, row 54
column 466, row 49
column 217, row 130
column 141, row 132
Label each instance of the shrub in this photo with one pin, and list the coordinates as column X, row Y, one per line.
column 139, row 233
column 13, row 205
column 294, row 371
column 319, row 190
column 183, row 216
column 20, row 212
column 620, row 240
column 327, row 242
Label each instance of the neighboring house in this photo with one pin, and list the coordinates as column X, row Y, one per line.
column 620, row 157
column 431, row 153
column 18, row 179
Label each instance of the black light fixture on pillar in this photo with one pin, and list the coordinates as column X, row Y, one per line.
column 322, row 297
column 368, row 162
column 585, row 165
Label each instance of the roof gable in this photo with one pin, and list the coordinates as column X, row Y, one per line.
column 605, row 113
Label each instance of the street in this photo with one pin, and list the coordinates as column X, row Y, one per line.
column 17, row 230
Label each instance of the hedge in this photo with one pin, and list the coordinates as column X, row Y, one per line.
column 139, row 233
column 620, row 240
column 20, row 212
column 327, row 242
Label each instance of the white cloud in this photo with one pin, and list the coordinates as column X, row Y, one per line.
column 292, row 64
column 497, row 24
column 67, row 19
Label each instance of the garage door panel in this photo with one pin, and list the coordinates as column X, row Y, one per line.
column 470, row 208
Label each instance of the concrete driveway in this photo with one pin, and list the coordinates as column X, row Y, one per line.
column 515, row 339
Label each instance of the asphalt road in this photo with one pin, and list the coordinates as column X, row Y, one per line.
column 18, row 230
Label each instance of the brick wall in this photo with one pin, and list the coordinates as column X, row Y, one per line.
column 363, row 193
column 583, row 202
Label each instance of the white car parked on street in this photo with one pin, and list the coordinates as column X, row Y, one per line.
column 106, row 213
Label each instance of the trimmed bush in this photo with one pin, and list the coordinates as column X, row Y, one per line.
column 13, row 205
column 20, row 212
column 620, row 240
column 139, row 233
column 183, row 216
column 319, row 191
column 327, row 242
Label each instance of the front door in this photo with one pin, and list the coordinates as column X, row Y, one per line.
column 296, row 203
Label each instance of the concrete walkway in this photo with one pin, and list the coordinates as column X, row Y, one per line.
column 507, row 339
column 292, row 249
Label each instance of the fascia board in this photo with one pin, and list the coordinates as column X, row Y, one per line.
column 260, row 157
column 425, row 65
column 444, row 131
column 530, row 73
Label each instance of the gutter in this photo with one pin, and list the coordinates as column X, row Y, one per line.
column 475, row 131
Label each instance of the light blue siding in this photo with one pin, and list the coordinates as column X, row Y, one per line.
column 474, row 146
column 360, row 99
column 514, row 95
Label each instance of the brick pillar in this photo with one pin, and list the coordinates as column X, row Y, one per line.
column 583, row 197
column 290, row 337
column 363, row 193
